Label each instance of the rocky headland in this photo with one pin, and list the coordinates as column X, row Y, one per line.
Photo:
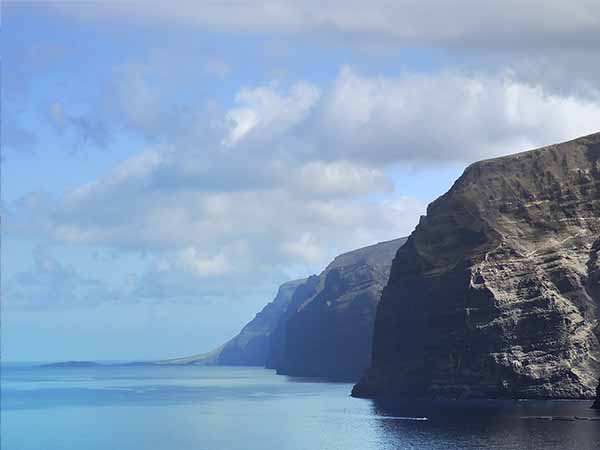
column 251, row 347
column 496, row 292
column 321, row 326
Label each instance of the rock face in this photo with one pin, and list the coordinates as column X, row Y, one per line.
column 329, row 332
column 277, row 339
column 596, row 404
column 321, row 326
column 251, row 346
column 496, row 292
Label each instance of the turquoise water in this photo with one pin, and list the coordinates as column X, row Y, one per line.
column 210, row 408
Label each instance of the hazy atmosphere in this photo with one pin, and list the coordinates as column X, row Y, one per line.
column 165, row 168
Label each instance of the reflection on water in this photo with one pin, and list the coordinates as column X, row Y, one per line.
column 523, row 425
column 210, row 408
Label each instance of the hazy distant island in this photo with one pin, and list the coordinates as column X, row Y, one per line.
column 65, row 364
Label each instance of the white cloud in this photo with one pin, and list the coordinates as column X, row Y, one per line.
column 304, row 248
column 469, row 23
column 303, row 176
column 51, row 282
column 242, row 120
column 274, row 183
column 446, row 117
column 205, row 266
column 552, row 42
column 340, row 178
column 265, row 113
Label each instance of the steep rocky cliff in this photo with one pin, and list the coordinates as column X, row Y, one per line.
column 277, row 339
column 496, row 292
column 330, row 333
column 319, row 326
column 252, row 345
column 596, row 404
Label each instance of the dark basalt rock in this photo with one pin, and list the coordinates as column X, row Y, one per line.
column 251, row 346
column 321, row 326
column 596, row 404
column 330, row 332
column 496, row 292
column 277, row 339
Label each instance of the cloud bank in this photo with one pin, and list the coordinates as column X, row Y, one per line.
column 290, row 175
column 467, row 23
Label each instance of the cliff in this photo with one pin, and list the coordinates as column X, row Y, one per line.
column 496, row 292
column 278, row 337
column 252, row 345
column 330, row 333
column 321, row 326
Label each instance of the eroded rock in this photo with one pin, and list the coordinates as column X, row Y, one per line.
column 496, row 292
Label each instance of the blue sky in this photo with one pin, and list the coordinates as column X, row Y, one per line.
column 165, row 169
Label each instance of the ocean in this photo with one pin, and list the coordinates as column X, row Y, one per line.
column 232, row 408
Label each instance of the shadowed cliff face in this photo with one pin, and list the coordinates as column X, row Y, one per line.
column 496, row 293
column 330, row 334
column 277, row 339
column 251, row 346
column 321, row 326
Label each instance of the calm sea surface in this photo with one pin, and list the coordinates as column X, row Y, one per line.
column 209, row 408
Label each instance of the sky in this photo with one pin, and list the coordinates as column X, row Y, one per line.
column 167, row 165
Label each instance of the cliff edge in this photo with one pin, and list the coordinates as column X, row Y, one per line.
column 496, row 292
column 330, row 334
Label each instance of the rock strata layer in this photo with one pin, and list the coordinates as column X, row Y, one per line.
column 496, row 292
